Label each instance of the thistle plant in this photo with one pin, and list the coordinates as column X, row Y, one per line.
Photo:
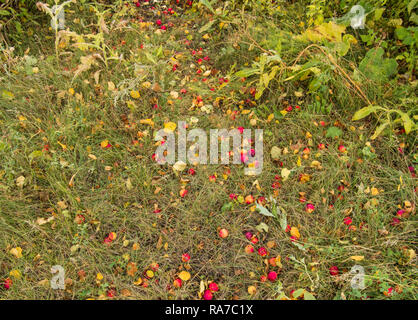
column 57, row 17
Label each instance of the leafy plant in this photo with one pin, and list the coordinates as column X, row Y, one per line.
column 377, row 68
column 392, row 117
column 55, row 12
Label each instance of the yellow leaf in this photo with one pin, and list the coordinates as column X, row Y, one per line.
column 129, row 184
column 15, row 274
column 111, row 86
column 285, row 173
column 375, row 192
column 20, row 181
column 252, row 290
column 131, row 269
column 135, row 94
column 179, row 166
column 170, row 127
column 316, row 164
column 63, row 146
column 357, row 258
column 147, row 121
column 184, row 275
column 99, row 276
column 294, row 232
column 17, row 252
column 41, row 221
column 146, row 84
column 104, row 143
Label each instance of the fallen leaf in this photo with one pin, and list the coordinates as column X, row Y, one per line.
column 17, row 252
column 184, row 275
column 357, row 258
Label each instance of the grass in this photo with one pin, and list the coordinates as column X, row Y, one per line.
column 54, row 133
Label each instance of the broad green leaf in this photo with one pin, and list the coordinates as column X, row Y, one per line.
column 297, row 293
column 407, row 122
column 375, row 67
column 364, row 112
column 308, row 296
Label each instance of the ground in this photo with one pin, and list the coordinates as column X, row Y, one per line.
column 80, row 186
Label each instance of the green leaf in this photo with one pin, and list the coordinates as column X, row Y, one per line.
column 379, row 130
column 227, row 206
column 244, row 73
column 364, row 112
column 297, row 293
column 378, row 13
column 207, row 4
column 414, row 18
column 412, row 5
column 334, row 132
column 4, row 13
column 375, row 67
column 35, row 154
column 207, row 26
column 159, row 52
column 282, row 218
column 407, row 122
column 308, row 296
column 262, row 227
column 264, row 211
column 7, row 95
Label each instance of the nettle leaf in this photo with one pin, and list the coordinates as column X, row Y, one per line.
column 375, row 67
column 333, row 132
column 264, row 211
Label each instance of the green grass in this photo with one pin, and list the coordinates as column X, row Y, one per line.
column 74, row 175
